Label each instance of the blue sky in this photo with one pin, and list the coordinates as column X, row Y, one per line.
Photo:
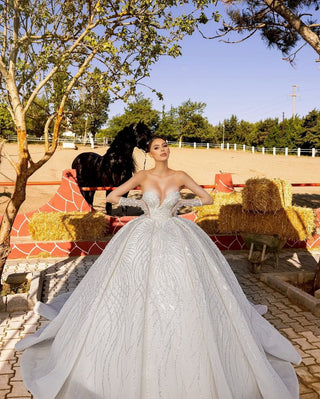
column 246, row 79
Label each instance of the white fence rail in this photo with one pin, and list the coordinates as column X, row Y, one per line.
column 313, row 152
column 246, row 148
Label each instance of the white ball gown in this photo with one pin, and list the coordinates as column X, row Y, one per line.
column 160, row 314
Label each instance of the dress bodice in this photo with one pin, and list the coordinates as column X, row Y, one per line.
column 163, row 210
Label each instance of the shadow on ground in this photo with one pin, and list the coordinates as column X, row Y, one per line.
column 308, row 200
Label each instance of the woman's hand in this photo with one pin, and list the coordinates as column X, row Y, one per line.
column 185, row 202
column 136, row 203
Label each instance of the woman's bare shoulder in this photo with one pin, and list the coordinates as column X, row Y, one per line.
column 141, row 173
column 181, row 174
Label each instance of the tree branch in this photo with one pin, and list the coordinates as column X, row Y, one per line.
column 304, row 31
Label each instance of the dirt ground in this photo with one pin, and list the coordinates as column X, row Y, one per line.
column 201, row 164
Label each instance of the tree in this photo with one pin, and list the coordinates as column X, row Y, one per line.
column 245, row 131
column 138, row 110
column 309, row 136
column 41, row 39
column 290, row 131
column 90, row 111
column 262, row 131
column 281, row 23
column 192, row 125
column 169, row 125
column 231, row 129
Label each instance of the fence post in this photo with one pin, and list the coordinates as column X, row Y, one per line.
column 299, row 152
column 180, row 144
column 228, row 146
column 194, row 145
column 286, row 151
column 244, row 147
column 313, row 152
column 274, row 150
column 207, row 146
column 262, row 150
column 235, row 147
column 222, row 146
column 252, row 149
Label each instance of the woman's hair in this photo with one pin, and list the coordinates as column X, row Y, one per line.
column 152, row 140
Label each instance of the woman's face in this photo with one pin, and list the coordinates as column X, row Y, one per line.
column 159, row 150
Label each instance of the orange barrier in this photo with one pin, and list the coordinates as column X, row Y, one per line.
column 202, row 185
column 223, row 183
column 57, row 183
column 31, row 183
column 68, row 198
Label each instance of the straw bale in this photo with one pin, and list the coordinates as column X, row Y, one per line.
column 208, row 215
column 73, row 226
column 209, row 223
column 291, row 222
column 219, row 199
column 266, row 195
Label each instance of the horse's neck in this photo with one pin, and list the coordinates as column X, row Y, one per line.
column 120, row 149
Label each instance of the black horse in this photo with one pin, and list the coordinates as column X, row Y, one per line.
column 116, row 166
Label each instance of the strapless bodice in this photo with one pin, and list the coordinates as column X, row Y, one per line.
column 163, row 210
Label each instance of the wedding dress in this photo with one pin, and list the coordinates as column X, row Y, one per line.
column 160, row 314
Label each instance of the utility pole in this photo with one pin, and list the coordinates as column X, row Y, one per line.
column 293, row 95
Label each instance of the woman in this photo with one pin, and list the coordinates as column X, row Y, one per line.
column 159, row 315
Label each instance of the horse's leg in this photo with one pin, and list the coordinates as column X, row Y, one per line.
column 88, row 196
column 108, row 204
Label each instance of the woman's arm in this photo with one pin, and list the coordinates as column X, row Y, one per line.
column 130, row 184
column 188, row 182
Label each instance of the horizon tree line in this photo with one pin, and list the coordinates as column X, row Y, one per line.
column 185, row 122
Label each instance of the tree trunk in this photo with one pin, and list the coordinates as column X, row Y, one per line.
column 8, row 218
column 25, row 167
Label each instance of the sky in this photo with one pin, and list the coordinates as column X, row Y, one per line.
column 246, row 79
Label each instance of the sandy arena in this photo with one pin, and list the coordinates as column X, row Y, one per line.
column 201, row 164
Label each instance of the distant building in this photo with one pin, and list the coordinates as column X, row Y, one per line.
column 68, row 134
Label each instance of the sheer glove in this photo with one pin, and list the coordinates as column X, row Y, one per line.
column 185, row 202
column 136, row 203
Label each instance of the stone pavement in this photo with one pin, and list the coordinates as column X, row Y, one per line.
column 300, row 326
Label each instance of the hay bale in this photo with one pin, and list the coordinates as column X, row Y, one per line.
column 291, row 222
column 219, row 199
column 208, row 215
column 209, row 223
column 266, row 195
column 73, row 226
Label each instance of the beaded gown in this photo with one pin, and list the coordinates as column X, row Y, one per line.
column 160, row 314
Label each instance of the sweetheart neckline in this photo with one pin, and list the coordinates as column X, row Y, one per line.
column 156, row 194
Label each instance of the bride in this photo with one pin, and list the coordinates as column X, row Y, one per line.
column 160, row 314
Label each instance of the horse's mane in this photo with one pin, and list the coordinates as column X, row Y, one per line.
column 125, row 139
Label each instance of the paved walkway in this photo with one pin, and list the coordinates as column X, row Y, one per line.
column 297, row 324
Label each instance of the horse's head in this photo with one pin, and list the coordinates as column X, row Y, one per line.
column 143, row 134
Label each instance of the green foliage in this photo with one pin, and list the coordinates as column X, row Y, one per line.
column 138, row 110
column 89, row 112
column 6, row 122
column 187, row 123
column 281, row 24
column 37, row 116
column 309, row 136
column 54, row 47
